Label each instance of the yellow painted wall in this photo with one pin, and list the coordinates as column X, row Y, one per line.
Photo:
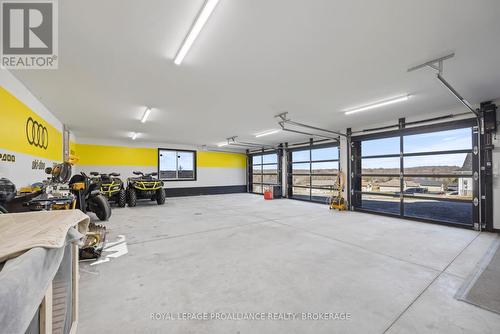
column 72, row 147
column 14, row 130
column 103, row 155
column 221, row 159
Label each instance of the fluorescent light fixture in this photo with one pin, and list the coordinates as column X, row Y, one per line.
column 223, row 144
column 377, row 104
column 146, row 115
column 266, row 133
column 134, row 135
column 201, row 19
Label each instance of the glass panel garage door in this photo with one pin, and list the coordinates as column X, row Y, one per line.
column 312, row 172
column 426, row 175
column 265, row 171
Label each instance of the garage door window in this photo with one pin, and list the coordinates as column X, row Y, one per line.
column 176, row 165
column 313, row 172
column 265, row 172
column 427, row 175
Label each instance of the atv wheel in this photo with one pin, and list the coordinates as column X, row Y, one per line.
column 131, row 197
column 100, row 206
column 122, row 198
column 160, row 196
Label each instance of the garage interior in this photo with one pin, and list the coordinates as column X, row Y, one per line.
column 216, row 166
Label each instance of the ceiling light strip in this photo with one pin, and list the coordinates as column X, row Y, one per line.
column 267, row 133
column 201, row 19
column 377, row 104
column 146, row 115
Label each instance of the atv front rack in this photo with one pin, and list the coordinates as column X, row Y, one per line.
column 147, row 185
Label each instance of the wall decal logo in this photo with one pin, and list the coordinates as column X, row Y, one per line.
column 29, row 34
column 7, row 157
column 37, row 134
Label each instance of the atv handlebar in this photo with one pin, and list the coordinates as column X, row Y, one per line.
column 145, row 174
column 104, row 174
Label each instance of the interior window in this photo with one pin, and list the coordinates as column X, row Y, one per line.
column 177, row 165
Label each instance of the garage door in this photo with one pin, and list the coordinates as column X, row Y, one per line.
column 425, row 173
column 265, row 171
column 312, row 172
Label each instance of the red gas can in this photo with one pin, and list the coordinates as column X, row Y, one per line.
column 268, row 194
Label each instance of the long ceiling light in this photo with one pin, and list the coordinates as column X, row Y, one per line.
column 146, row 115
column 201, row 19
column 266, row 133
column 222, row 144
column 377, row 104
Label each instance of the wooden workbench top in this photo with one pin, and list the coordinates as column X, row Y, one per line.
column 20, row 232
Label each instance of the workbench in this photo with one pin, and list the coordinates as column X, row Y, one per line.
column 39, row 271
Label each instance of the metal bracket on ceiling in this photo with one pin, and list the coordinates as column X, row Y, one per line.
column 438, row 65
column 233, row 142
column 282, row 125
column 285, row 120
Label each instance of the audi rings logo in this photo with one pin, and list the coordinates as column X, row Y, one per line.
column 37, row 134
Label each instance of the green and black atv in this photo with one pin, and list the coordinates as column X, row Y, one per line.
column 145, row 186
column 89, row 197
column 112, row 187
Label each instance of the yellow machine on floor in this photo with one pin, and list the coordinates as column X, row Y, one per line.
column 54, row 192
column 337, row 201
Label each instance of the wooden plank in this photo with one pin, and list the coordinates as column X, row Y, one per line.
column 74, row 287
column 46, row 312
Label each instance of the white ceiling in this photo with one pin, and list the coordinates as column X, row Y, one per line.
column 256, row 58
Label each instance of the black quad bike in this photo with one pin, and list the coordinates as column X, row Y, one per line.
column 111, row 187
column 145, row 186
column 89, row 197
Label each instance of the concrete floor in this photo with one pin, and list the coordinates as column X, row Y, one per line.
column 239, row 253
